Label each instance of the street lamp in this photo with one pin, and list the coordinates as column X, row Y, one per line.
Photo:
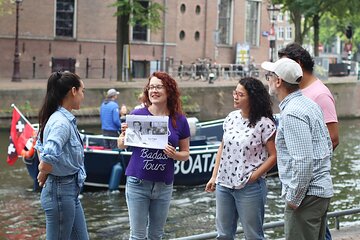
column 16, row 73
column 273, row 12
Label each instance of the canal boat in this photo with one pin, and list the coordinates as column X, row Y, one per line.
column 105, row 168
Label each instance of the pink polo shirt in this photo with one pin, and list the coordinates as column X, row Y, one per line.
column 320, row 94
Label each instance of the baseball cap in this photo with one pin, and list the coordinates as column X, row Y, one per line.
column 286, row 68
column 112, row 92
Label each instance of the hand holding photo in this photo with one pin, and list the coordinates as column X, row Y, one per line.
column 147, row 131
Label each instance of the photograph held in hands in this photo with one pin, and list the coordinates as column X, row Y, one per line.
column 147, row 131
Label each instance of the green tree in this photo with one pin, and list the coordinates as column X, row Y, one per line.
column 306, row 14
column 328, row 35
column 346, row 15
column 129, row 13
column 297, row 10
column 6, row 7
column 335, row 21
column 312, row 12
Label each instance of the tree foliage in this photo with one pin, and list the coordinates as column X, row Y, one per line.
column 6, row 7
column 149, row 17
column 129, row 13
column 307, row 15
column 339, row 17
column 329, row 33
column 297, row 9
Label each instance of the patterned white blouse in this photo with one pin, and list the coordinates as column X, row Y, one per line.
column 244, row 149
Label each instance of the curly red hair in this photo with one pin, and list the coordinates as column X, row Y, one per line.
column 173, row 94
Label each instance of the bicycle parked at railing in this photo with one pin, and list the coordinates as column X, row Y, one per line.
column 186, row 73
column 232, row 71
column 252, row 71
column 238, row 71
column 199, row 70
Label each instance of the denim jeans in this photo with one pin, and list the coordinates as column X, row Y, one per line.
column 64, row 214
column 108, row 143
column 246, row 204
column 327, row 233
column 148, row 204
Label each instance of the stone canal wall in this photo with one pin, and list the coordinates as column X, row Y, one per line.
column 205, row 102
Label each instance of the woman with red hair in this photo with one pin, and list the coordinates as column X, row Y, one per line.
column 150, row 173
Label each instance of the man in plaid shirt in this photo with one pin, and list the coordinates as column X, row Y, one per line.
column 304, row 151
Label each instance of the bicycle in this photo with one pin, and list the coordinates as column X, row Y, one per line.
column 233, row 71
column 186, row 73
column 201, row 69
column 193, row 71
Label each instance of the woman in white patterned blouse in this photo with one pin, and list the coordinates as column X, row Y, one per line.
column 246, row 153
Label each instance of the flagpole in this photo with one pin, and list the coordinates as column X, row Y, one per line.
column 21, row 115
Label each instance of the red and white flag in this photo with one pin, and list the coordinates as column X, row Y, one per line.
column 20, row 132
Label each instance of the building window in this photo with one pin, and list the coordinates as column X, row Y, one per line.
column 280, row 46
column 65, row 18
column 182, row 8
column 288, row 33
column 252, row 23
column 197, row 9
column 197, row 35
column 182, row 35
column 281, row 33
column 139, row 32
column 225, row 19
column 140, row 69
column 280, row 17
column 287, row 16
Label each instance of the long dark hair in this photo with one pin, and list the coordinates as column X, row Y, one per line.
column 259, row 100
column 173, row 94
column 58, row 85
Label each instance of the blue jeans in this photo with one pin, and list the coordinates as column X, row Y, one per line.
column 148, row 204
column 108, row 143
column 246, row 204
column 64, row 214
column 328, row 233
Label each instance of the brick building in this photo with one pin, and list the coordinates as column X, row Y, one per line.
column 284, row 29
column 80, row 35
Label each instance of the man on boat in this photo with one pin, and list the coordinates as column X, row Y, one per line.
column 110, row 118
column 304, row 150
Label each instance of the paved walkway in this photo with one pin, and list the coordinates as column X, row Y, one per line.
column 7, row 84
column 346, row 233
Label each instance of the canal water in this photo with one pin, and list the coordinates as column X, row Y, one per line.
column 192, row 210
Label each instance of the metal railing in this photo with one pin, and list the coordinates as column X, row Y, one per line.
column 202, row 70
column 270, row 225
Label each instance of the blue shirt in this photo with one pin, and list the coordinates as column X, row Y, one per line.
column 62, row 146
column 304, row 150
column 109, row 116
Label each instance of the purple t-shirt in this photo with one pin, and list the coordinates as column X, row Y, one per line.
column 153, row 164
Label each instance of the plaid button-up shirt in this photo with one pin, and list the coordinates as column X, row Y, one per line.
column 304, row 150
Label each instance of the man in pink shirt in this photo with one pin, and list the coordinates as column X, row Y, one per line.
column 316, row 90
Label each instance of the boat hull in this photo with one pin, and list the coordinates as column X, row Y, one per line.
column 106, row 168
column 99, row 166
